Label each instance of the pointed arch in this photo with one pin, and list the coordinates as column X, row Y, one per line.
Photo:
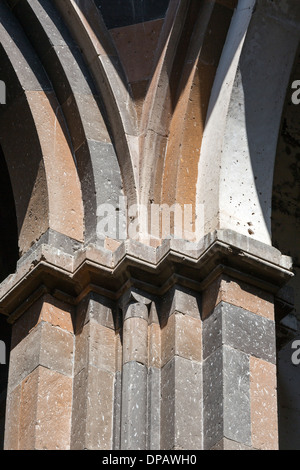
column 88, row 28
column 36, row 144
column 239, row 145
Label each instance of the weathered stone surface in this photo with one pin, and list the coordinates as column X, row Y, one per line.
column 134, row 407
column 240, row 294
column 96, row 346
column 136, row 45
column 12, row 421
column 155, row 346
column 240, row 329
column 264, row 415
column 226, row 444
column 226, row 397
column 190, row 116
column 96, row 308
column 40, row 412
column 135, row 341
column 46, row 346
column 182, row 336
column 93, row 403
column 53, row 419
column 117, row 411
column 181, row 406
column 154, row 408
column 182, row 301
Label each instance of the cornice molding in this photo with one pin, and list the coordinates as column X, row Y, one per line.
column 152, row 270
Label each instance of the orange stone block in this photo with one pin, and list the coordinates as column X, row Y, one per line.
column 45, row 309
column 264, row 415
column 237, row 293
column 42, row 419
column 182, row 336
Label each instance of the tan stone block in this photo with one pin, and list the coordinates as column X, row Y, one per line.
column 26, row 170
column 28, row 411
column 65, row 200
column 45, row 345
column 103, row 347
column 237, row 293
column 84, row 106
column 139, row 92
column 57, row 313
column 137, row 45
column 56, row 349
column 96, row 345
column 12, row 422
column 45, row 411
column 53, row 424
column 182, row 336
column 45, row 309
column 135, row 340
column 264, row 413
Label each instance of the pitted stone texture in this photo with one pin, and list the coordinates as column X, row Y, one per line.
column 154, row 346
column 241, row 330
column 264, row 405
column 93, row 402
column 96, row 346
column 135, row 341
column 226, row 397
column 182, row 336
column 117, row 411
column 154, row 408
column 181, row 406
column 12, row 419
column 47, row 309
column 136, row 310
column 239, row 294
column 40, row 412
column 180, row 300
column 46, row 346
column 134, row 407
column 226, row 444
column 98, row 309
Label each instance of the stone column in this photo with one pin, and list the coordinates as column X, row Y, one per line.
column 134, row 372
column 181, row 373
column 39, row 401
column 94, row 374
column 239, row 367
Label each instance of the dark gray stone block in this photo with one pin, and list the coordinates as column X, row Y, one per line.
column 226, row 397
column 181, row 408
column 240, row 329
column 134, row 407
column 154, row 406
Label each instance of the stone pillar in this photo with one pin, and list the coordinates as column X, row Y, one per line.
column 39, row 401
column 135, row 373
column 94, row 374
column 181, row 373
column 239, row 367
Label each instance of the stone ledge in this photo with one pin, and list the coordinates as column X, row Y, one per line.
column 154, row 270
